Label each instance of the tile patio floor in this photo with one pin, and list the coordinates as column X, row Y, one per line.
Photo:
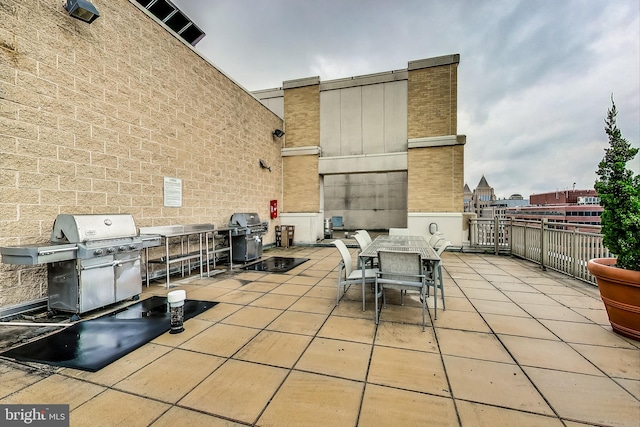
column 516, row 346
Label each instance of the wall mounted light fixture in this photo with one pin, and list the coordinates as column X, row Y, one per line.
column 278, row 133
column 83, row 10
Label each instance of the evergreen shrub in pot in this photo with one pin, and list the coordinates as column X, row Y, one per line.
column 619, row 191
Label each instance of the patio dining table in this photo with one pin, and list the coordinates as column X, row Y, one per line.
column 403, row 243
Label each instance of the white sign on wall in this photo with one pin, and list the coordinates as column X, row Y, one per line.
column 172, row 192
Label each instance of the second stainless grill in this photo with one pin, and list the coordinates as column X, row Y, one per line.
column 246, row 236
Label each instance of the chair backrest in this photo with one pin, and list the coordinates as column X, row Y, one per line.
column 439, row 241
column 362, row 241
column 346, row 256
column 443, row 247
column 399, row 232
column 434, row 239
column 398, row 265
column 365, row 234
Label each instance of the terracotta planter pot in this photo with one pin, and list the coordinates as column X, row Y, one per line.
column 620, row 292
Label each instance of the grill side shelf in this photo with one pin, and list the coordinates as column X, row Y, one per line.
column 38, row 254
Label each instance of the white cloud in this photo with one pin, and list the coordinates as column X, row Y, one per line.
column 330, row 67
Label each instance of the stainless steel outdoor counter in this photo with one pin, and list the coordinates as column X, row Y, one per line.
column 186, row 255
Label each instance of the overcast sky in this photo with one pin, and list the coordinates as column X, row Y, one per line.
column 534, row 80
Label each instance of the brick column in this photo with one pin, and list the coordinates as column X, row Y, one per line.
column 435, row 153
column 301, row 181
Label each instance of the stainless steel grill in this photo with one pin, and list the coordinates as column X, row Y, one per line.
column 246, row 236
column 92, row 260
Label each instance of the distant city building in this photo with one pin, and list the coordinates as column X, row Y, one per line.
column 482, row 197
column 563, row 197
column 499, row 207
column 568, row 206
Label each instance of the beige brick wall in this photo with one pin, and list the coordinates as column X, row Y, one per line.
column 93, row 117
column 432, row 106
column 302, row 116
column 301, row 184
column 301, row 179
column 436, row 179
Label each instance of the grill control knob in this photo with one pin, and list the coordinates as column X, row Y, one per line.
column 111, row 250
column 98, row 252
column 132, row 247
column 122, row 248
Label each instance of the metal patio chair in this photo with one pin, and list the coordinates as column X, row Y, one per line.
column 436, row 281
column 348, row 276
column 362, row 242
column 366, row 236
column 400, row 270
column 435, row 238
column 399, row 232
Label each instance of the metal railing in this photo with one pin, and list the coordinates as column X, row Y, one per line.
column 563, row 247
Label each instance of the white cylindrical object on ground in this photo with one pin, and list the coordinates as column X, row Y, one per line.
column 176, row 298
column 176, row 304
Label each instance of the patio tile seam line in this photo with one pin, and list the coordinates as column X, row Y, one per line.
column 516, row 303
column 96, row 396
column 289, row 370
column 425, row 393
column 513, row 358
column 481, row 314
column 210, row 414
column 613, row 379
column 524, row 372
column 556, row 416
column 29, row 368
column 444, row 368
column 546, row 368
column 569, row 344
column 321, row 374
column 366, row 374
column 266, row 327
column 114, row 385
column 405, row 348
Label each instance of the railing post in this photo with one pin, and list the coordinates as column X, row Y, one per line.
column 496, row 235
column 524, row 241
column 511, row 236
column 474, row 231
column 574, row 252
column 544, row 245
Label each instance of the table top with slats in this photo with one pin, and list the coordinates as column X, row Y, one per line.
column 400, row 243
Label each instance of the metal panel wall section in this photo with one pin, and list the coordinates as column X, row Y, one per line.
column 395, row 116
column 373, row 119
column 369, row 119
column 330, row 123
column 374, row 201
column 350, row 121
column 364, row 120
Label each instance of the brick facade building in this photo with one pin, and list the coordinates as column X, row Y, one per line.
column 380, row 150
